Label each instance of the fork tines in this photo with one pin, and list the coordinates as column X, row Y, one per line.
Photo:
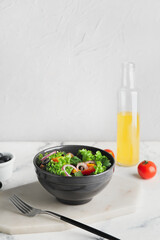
column 18, row 203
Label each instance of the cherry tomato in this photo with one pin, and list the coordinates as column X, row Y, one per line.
column 110, row 151
column 88, row 171
column 147, row 169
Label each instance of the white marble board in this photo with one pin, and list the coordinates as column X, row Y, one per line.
column 120, row 197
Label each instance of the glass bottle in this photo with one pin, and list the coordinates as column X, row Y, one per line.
column 128, row 129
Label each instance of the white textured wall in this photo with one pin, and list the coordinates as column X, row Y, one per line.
column 60, row 67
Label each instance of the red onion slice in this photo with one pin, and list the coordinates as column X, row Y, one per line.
column 68, row 165
column 46, row 156
column 82, row 164
column 90, row 162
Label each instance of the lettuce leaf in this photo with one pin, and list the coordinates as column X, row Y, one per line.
column 86, row 155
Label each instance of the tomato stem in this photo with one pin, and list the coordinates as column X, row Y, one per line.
column 145, row 162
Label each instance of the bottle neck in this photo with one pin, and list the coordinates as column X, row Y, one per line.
column 128, row 95
column 128, row 75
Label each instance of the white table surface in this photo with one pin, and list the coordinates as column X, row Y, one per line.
column 144, row 224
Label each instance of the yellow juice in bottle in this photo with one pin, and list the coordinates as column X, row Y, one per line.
column 127, row 138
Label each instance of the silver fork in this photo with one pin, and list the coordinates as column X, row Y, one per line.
column 29, row 211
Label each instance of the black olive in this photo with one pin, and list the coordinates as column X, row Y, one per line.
column 81, row 168
column 4, row 158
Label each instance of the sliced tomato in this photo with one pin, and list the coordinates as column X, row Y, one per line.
column 88, row 171
column 55, row 159
column 41, row 166
column 70, row 154
column 110, row 152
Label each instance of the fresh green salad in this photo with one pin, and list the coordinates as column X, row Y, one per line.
column 66, row 164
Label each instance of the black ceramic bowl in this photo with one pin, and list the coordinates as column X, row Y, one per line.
column 74, row 190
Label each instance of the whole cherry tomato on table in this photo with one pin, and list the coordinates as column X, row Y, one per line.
column 110, row 152
column 147, row 169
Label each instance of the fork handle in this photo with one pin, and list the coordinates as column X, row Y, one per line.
column 83, row 226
